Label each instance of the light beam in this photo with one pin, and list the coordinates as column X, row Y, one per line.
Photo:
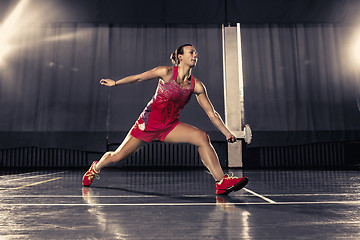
column 11, row 28
column 356, row 51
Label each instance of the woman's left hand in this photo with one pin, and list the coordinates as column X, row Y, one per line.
column 108, row 82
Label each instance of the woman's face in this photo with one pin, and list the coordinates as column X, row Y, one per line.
column 189, row 57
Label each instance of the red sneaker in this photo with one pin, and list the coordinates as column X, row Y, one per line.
column 230, row 184
column 89, row 176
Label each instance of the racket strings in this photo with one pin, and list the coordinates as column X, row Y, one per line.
column 247, row 134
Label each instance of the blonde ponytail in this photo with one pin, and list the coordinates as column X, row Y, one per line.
column 174, row 58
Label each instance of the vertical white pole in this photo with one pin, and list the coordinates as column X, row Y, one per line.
column 224, row 73
column 241, row 75
column 233, row 88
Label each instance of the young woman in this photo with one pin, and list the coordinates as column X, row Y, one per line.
column 160, row 119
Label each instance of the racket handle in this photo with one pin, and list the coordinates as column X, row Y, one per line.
column 236, row 139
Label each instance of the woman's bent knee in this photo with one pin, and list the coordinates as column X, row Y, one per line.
column 203, row 138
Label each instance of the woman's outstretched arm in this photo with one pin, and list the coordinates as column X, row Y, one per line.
column 158, row 72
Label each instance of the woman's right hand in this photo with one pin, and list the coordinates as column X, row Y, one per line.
column 108, row 82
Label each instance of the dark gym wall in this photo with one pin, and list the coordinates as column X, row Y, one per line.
column 49, row 92
column 192, row 12
column 301, row 82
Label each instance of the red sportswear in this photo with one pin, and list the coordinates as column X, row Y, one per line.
column 161, row 115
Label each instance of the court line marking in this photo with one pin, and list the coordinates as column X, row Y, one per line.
column 177, row 204
column 80, row 196
column 18, row 174
column 31, row 184
column 311, row 194
column 35, row 176
column 260, row 196
column 185, row 196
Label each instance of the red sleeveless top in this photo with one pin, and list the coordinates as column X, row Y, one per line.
column 164, row 107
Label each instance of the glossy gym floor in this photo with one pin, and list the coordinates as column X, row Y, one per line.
column 134, row 204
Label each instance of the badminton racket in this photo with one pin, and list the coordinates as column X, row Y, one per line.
column 247, row 135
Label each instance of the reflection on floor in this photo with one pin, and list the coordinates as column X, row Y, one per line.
column 179, row 205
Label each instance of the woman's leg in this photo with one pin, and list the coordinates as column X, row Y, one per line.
column 184, row 133
column 127, row 147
